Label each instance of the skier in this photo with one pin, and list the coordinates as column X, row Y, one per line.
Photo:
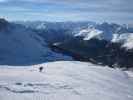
column 40, row 69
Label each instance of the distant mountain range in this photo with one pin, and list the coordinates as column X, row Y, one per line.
column 109, row 32
column 86, row 30
column 105, row 44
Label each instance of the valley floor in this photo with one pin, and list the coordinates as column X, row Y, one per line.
column 65, row 80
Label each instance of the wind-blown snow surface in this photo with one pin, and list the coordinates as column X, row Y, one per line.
column 65, row 80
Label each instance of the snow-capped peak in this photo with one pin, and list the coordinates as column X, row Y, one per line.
column 126, row 39
column 41, row 26
column 90, row 33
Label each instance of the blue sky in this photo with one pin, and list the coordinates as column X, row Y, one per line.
column 120, row 11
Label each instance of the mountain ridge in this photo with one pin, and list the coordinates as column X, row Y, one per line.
column 20, row 45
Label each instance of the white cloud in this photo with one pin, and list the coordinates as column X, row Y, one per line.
column 76, row 9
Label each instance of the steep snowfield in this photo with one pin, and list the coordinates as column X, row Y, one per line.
column 64, row 80
column 21, row 46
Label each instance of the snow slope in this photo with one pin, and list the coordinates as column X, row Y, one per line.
column 64, row 80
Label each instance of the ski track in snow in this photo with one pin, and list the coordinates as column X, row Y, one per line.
column 65, row 80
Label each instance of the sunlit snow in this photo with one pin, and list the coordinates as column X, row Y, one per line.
column 64, row 80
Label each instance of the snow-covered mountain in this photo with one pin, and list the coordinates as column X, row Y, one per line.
column 126, row 39
column 112, row 35
column 19, row 45
column 65, row 81
column 91, row 33
column 88, row 41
